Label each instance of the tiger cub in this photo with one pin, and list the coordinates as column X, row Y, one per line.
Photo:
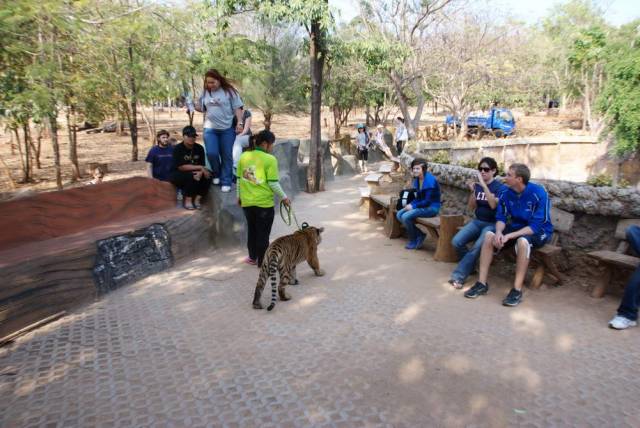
column 283, row 255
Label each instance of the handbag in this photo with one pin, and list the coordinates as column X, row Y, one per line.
column 406, row 197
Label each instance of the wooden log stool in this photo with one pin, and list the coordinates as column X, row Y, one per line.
column 442, row 229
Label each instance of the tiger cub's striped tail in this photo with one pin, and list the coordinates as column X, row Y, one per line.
column 273, row 265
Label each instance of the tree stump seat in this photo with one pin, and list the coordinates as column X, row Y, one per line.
column 442, row 229
column 609, row 261
column 383, row 207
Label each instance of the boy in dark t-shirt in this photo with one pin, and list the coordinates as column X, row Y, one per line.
column 189, row 172
column 160, row 158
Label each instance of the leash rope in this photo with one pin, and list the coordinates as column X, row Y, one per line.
column 288, row 214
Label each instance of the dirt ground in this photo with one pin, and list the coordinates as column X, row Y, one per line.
column 116, row 150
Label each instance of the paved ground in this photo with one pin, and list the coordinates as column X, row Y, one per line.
column 381, row 340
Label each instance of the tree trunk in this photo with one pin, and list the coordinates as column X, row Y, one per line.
column 25, row 171
column 402, row 101
column 38, row 146
column 146, row 121
column 315, row 176
column 267, row 119
column 337, row 114
column 56, row 149
column 7, row 172
column 73, row 151
column 27, row 153
column 133, row 118
column 419, row 108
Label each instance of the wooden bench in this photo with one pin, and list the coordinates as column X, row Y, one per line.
column 544, row 257
column 619, row 259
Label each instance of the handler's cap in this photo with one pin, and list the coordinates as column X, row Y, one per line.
column 189, row 131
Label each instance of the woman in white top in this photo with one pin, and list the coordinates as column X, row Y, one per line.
column 220, row 102
column 401, row 134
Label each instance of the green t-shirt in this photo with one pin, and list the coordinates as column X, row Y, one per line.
column 256, row 169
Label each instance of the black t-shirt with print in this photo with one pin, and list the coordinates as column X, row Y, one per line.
column 184, row 156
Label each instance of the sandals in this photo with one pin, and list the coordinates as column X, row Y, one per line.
column 187, row 207
column 197, row 205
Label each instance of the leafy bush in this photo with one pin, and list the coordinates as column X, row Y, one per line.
column 470, row 163
column 441, row 156
column 600, row 180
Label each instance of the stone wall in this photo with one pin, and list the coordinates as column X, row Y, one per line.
column 596, row 210
column 554, row 159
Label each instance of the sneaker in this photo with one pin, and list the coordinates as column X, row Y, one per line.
column 620, row 323
column 226, row 189
column 411, row 245
column 513, row 298
column 420, row 240
column 478, row 289
column 216, row 181
column 250, row 261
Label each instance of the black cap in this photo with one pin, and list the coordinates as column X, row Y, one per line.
column 189, row 131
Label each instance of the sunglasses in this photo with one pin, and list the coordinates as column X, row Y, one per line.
column 483, row 169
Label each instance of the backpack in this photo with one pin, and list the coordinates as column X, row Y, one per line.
column 406, row 197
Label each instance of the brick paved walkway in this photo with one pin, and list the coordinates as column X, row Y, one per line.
column 382, row 340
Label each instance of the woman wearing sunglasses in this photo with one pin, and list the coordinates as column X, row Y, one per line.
column 484, row 200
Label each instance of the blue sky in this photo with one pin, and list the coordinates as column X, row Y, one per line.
column 617, row 12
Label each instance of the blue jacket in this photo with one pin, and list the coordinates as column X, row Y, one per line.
column 530, row 208
column 429, row 195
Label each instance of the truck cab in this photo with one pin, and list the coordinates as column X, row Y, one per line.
column 499, row 121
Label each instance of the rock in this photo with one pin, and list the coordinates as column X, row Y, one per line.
column 605, row 192
column 346, row 165
column 583, row 192
column 286, row 151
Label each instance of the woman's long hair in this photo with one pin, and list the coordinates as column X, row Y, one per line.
column 224, row 83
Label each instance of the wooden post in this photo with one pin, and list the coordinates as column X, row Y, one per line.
column 449, row 224
column 601, row 288
column 392, row 227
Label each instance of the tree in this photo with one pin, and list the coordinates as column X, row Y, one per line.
column 398, row 27
column 619, row 100
column 314, row 16
column 278, row 83
column 586, row 60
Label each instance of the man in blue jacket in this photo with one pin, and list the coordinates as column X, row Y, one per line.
column 425, row 204
column 522, row 219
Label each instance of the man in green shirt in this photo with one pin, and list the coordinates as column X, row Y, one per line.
column 258, row 182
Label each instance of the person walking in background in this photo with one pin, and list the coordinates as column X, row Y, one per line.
column 242, row 139
column 401, row 134
column 362, row 143
column 425, row 204
column 484, row 201
column 189, row 174
column 220, row 102
column 258, row 182
column 160, row 158
column 627, row 315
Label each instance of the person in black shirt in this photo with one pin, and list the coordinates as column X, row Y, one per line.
column 190, row 173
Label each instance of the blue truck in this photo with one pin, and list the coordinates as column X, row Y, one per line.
column 499, row 122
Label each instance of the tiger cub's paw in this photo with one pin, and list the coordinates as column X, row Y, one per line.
column 257, row 305
column 319, row 272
